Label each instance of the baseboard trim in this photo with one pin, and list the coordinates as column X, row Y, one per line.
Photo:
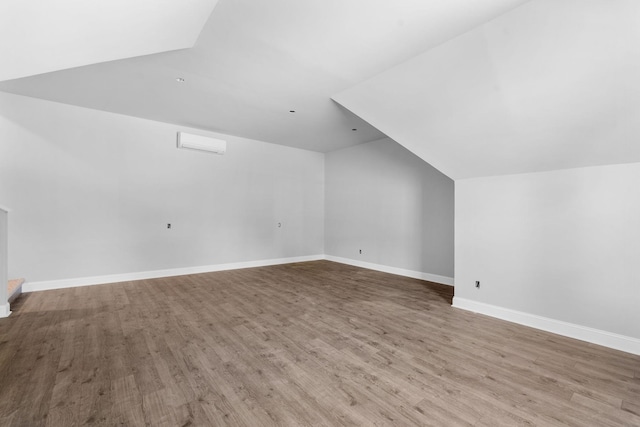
column 571, row 330
column 155, row 274
column 5, row 310
column 393, row 270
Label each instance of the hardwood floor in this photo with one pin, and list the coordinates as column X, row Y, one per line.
column 308, row 344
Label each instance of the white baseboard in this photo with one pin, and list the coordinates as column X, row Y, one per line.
column 393, row 270
column 155, row 274
column 5, row 310
column 126, row 277
column 583, row 333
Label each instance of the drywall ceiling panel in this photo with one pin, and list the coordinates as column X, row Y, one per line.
column 550, row 85
column 40, row 36
column 256, row 60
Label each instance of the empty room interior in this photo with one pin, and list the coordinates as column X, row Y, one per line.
column 320, row 213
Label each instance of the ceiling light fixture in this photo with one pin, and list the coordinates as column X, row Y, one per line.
column 354, row 129
column 180, row 80
column 292, row 111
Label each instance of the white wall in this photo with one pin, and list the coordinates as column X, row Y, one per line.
column 92, row 192
column 4, row 240
column 391, row 204
column 562, row 245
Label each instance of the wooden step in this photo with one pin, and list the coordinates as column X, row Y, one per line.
column 14, row 289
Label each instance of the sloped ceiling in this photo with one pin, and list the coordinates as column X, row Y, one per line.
column 40, row 36
column 553, row 84
column 254, row 61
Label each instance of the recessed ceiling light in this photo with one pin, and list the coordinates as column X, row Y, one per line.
column 180, row 80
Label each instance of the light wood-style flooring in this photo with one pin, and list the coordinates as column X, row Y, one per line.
column 13, row 288
column 307, row 344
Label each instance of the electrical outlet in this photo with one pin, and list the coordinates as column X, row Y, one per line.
column 360, row 250
column 168, row 225
column 478, row 284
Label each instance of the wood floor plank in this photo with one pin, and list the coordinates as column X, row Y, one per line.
column 306, row 344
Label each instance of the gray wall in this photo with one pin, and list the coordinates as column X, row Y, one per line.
column 564, row 245
column 3, row 261
column 391, row 204
column 91, row 194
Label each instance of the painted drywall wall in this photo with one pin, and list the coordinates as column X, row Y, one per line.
column 385, row 201
column 92, row 193
column 4, row 240
column 562, row 245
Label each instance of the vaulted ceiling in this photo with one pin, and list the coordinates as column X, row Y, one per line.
column 475, row 88
column 40, row 36
column 553, row 84
column 253, row 62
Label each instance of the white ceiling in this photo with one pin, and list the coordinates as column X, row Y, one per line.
column 253, row 62
column 40, row 36
column 476, row 88
column 553, row 84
